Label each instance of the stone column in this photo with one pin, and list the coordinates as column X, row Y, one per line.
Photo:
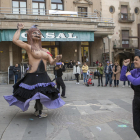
column 110, row 48
column 79, row 52
column 10, row 54
column 29, row 6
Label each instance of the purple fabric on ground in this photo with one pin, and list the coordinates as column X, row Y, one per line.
column 47, row 102
column 134, row 78
column 31, row 87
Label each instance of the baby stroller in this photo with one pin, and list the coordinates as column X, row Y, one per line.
column 89, row 82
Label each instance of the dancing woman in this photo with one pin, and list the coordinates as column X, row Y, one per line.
column 134, row 77
column 36, row 85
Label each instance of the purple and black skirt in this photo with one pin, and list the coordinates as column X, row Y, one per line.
column 34, row 86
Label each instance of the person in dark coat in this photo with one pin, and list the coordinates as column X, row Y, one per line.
column 107, row 71
column 134, row 77
column 16, row 72
column 59, row 69
column 70, row 64
column 132, row 65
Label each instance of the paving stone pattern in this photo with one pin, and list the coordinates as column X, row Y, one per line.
column 90, row 113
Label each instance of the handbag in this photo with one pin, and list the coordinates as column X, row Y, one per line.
column 97, row 73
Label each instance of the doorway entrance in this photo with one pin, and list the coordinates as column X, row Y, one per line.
column 85, row 52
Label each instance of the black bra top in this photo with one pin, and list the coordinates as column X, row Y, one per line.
column 41, row 67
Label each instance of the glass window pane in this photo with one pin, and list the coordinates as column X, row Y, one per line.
column 15, row 11
column 53, row 6
column 39, row 0
column 22, row 4
column 42, row 5
column 60, row 7
column 22, row 10
column 42, row 12
column 35, row 5
column 35, row 11
column 56, row 1
column 15, row 4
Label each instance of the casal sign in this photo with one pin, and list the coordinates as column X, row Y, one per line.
column 52, row 35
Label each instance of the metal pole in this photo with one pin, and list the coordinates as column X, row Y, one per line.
column 8, row 75
column 139, row 36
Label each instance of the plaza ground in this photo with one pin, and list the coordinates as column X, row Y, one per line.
column 90, row 113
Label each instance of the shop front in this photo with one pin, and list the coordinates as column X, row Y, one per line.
column 73, row 45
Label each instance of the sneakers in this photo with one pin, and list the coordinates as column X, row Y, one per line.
column 63, row 96
column 123, row 86
column 42, row 115
column 78, row 83
column 129, row 86
column 36, row 113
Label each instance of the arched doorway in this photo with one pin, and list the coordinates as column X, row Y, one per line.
column 122, row 56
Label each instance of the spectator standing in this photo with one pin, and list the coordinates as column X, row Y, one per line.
column 100, row 76
column 88, row 74
column 76, row 72
column 107, row 72
column 132, row 65
column 111, row 65
column 116, row 74
column 85, row 69
column 97, row 62
column 70, row 64
column 128, row 69
column 16, row 72
column 59, row 69
column 74, row 62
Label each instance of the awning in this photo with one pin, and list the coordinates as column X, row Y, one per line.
column 50, row 35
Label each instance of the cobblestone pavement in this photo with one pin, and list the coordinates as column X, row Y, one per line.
column 90, row 113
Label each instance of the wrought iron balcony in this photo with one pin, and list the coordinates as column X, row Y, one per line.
column 126, row 17
column 125, row 44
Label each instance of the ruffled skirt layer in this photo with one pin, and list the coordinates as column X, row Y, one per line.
column 35, row 86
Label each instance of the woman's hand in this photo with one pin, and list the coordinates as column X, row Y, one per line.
column 20, row 26
column 128, row 73
column 126, row 62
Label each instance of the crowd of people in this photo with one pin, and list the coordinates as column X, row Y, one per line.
column 111, row 72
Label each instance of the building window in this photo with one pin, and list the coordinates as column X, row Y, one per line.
column 19, row 6
column 137, row 10
column 57, row 5
column 38, row 7
column 124, row 12
column 111, row 9
column 82, row 11
column 125, row 38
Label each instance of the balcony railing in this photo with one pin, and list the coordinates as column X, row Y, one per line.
column 125, row 44
column 43, row 12
column 126, row 17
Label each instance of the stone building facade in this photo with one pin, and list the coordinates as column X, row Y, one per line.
column 77, row 36
column 126, row 17
column 84, row 30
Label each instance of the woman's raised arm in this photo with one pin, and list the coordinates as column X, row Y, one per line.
column 16, row 38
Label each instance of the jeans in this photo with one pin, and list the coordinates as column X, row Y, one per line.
column 111, row 78
column 100, row 77
column 107, row 77
column 16, row 77
column 85, row 77
column 77, row 77
column 60, row 82
column 128, row 83
column 115, row 82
